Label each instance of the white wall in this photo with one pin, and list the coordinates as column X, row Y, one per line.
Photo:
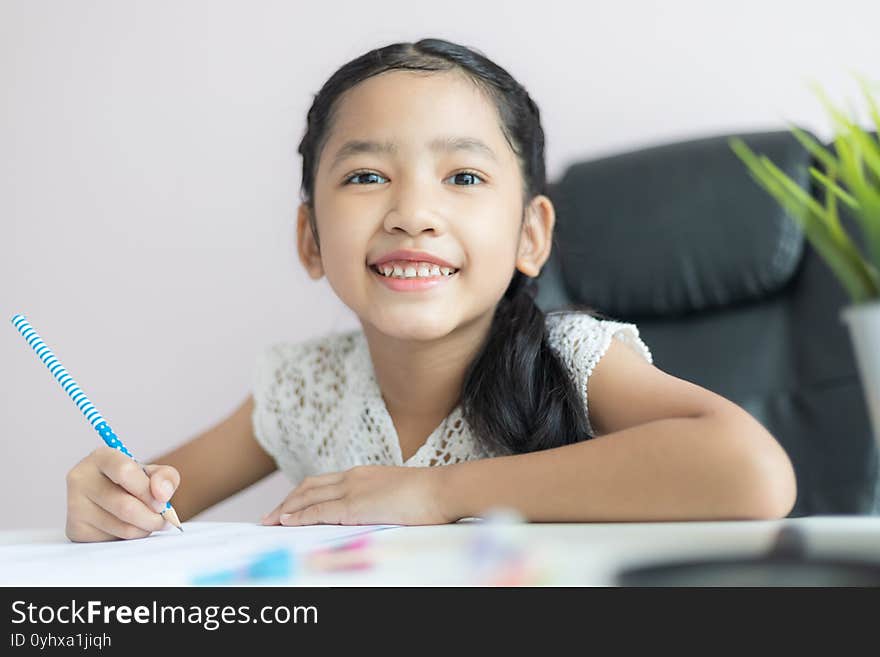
column 150, row 177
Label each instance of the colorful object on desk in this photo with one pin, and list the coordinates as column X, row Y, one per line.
column 521, row 570
column 498, row 556
column 353, row 554
column 283, row 563
column 497, row 538
column 350, row 545
column 82, row 402
column 275, row 564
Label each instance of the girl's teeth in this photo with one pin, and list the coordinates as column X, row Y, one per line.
column 417, row 270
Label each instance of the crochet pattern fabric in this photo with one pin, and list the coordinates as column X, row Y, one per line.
column 318, row 407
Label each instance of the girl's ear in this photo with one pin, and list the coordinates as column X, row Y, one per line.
column 309, row 253
column 536, row 238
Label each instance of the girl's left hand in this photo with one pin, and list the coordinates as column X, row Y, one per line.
column 365, row 495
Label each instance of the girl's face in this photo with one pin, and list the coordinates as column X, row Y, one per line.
column 463, row 205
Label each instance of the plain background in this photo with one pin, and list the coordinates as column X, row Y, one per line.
column 150, row 177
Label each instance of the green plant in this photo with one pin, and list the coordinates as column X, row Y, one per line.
column 851, row 176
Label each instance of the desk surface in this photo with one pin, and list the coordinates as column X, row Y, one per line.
column 571, row 554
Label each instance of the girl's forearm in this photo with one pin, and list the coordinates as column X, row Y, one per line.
column 711, row 467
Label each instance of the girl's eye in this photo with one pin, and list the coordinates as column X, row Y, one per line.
column 472, row 175
column 359, row 174
column 366, row 174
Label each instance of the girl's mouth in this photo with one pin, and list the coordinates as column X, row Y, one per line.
column 412, row 283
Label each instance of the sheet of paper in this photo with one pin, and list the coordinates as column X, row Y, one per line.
column 165, row 558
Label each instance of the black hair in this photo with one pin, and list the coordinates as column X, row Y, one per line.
column 517, row 395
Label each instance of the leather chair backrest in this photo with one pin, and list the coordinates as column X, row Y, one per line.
column 727, row 293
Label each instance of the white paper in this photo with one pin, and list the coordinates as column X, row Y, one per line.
column 165, row 558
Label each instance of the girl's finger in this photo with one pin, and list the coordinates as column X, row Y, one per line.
column 312, row 496
column 106, row 522
column 128, row 509
column 319, row 480
column 273, row 517
column 324, row 513
column 126, row 473
column 164, row 481
column 86, row 533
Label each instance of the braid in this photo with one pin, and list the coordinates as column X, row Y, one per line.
column 518, row 396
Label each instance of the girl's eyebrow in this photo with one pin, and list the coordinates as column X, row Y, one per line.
column 439, row 144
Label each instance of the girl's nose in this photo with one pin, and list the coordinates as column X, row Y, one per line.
column 414, row 214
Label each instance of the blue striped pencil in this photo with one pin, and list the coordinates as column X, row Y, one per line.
column 79, row 398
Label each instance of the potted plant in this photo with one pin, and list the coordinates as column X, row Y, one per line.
column 851, row 176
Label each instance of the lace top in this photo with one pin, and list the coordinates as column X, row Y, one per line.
column 318, row 407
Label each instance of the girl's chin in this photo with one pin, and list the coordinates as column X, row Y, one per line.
column 424, row 328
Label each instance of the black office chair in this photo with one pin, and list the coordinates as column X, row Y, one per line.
column 727, row 293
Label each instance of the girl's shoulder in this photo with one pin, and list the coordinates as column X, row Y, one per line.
column 579, row 336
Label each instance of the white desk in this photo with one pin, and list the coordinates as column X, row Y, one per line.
column 588, row 554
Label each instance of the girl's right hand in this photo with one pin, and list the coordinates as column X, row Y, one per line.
column 109, row 497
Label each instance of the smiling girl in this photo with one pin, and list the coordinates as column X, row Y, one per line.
column 424, row 205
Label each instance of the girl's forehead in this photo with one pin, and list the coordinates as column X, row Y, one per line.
column 402, row 104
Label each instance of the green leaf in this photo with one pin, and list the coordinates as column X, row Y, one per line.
column 868, row 198
column 869, row 150
column 851, row 175
column 832, row 186
column 819, row 152
column 850, row 167
column 869, row 273
column 845, row 262
column 841, row 240
column 844, row 125
column 831, row 204
column 873, row 110
column 792, row 187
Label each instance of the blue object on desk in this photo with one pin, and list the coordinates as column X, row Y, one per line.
column 275, row 564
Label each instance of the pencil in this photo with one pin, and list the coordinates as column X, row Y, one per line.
column 82, row 402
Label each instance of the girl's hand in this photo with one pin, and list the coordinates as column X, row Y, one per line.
column 365, row 495
column 109, row 497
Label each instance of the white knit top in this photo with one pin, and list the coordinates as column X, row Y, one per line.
column 318, row 407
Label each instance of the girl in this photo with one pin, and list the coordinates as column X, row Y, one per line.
column 423, row 203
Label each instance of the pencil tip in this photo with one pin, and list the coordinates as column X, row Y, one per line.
column 171, row 516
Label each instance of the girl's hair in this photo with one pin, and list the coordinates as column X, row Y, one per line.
column 517, row 396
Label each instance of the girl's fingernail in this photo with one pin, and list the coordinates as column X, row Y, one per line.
column 285, row 517
column 167, row 488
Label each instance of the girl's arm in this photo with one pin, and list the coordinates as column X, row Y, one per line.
column 665, row 449
column 218, row 463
